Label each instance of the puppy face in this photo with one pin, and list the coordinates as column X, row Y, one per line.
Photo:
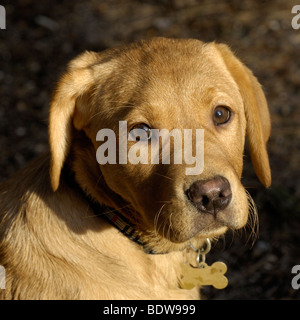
column 167, row 84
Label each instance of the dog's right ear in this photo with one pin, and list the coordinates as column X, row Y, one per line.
column 77, row 81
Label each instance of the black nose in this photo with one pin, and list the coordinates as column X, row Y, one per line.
column 210, row 196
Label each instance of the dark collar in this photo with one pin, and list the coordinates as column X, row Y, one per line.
column 118, row 221
column 123, row 225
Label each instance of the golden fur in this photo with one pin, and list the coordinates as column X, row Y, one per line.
column 53, row 246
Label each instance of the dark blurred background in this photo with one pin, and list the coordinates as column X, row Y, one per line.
column 42, row 36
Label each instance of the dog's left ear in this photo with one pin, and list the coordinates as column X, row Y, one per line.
column 256, row 111
column 77, row 81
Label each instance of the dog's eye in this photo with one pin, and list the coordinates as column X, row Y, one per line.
column 141, row 132
column 221, row 115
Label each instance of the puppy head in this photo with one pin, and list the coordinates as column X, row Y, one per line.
column 155, row 85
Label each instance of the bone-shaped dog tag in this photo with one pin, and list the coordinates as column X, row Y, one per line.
column 204, row 275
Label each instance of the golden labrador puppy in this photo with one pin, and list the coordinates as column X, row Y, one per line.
column 84, row 222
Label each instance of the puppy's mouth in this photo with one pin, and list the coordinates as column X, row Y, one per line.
column 179, row 228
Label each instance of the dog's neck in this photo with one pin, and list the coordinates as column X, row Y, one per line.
column 116, row 219
column 103, row 208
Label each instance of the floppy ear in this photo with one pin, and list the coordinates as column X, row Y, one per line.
column 74, row 83
column 256, row 111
